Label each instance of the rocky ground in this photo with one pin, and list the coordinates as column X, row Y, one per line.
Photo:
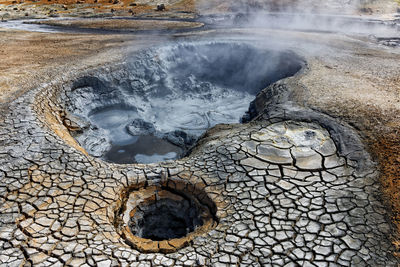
column 12, row 9
column 96, row 8
column 326, row 193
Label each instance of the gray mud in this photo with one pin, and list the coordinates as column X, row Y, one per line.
column 161, row 101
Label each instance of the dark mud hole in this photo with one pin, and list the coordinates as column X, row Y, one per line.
column 161, row 101
column 165, row 219
column 169, row 209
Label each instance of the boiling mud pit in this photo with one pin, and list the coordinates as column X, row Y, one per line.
column 161, row 101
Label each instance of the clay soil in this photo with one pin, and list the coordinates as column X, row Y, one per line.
column 387, row 149
column 26, row 56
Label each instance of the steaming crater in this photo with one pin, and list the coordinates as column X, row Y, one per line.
column 157, row 105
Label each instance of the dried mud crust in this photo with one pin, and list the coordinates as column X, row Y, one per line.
column 378, row 125
column 283, row 193
column 370, row 104
column 57, row 205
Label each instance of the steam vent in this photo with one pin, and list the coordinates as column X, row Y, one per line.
column 200, row 133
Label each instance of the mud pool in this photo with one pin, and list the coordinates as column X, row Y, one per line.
column 164, row 99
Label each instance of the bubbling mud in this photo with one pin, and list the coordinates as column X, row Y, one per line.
column 163, row 99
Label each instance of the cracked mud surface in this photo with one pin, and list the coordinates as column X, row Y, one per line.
column 292, row 187
column 284, row 192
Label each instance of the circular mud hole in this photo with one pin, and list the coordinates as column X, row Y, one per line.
column 164, row 217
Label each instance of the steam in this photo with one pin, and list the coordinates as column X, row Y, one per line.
column 338, row 16
column 343, row 7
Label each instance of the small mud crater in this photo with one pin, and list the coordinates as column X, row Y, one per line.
column 164, row 217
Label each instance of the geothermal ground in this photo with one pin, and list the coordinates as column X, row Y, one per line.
column 205, row 134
